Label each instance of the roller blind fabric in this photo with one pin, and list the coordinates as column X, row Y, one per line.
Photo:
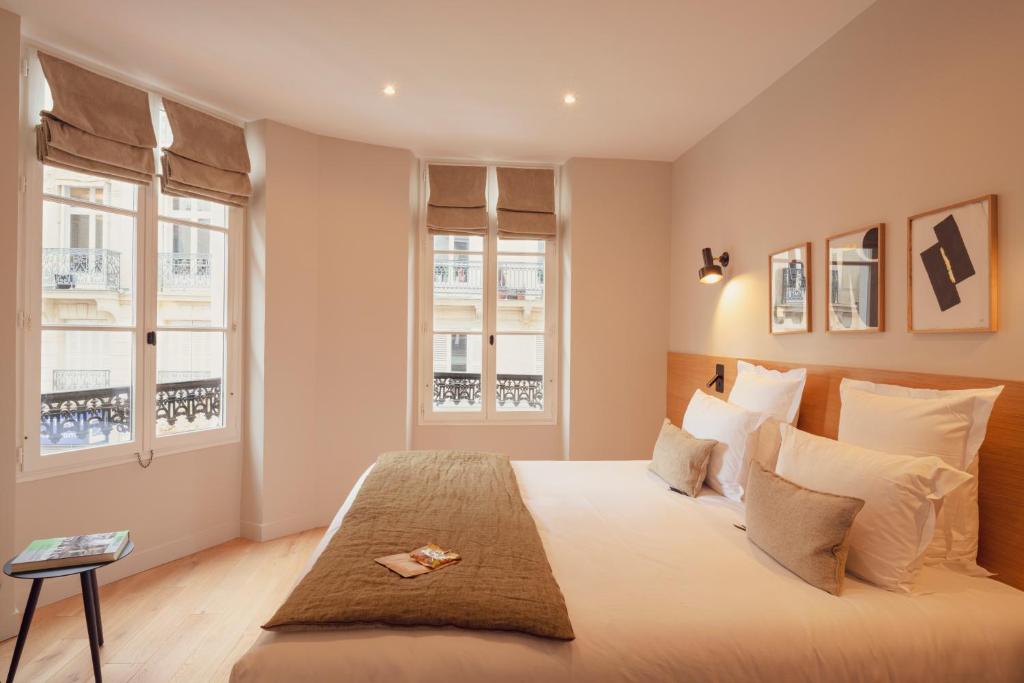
column 458, row 200
column 97, row 125
column 208, row 158
column 526, row 203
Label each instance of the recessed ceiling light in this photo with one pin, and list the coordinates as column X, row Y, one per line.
column 389, row 89
column 569, row 98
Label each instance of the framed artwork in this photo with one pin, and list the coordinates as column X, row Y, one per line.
column 951, row 268
column 855, row 280
column 789, row 291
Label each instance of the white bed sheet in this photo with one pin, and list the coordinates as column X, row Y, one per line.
column 661, row 587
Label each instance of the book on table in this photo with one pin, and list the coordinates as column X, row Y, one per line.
column 70, row 551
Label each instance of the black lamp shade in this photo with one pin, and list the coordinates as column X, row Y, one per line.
column 711, row 272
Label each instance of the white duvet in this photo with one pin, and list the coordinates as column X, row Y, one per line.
column 661, row 587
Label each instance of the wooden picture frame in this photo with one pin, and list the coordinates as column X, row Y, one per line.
column 783, row 315
column 952, row 268
column 863, row 315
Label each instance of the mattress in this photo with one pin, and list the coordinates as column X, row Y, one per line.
column 663, row 587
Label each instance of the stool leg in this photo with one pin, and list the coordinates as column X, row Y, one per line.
column 96, row 605
column 90, row 623
column 26, row 621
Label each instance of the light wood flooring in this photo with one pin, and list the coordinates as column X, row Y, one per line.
column 188, row 620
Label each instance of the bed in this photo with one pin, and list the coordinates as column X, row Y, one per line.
column 664, row 587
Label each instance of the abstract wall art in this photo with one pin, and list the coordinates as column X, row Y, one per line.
column 952, row 267
column 855, row 280
column 789, row 275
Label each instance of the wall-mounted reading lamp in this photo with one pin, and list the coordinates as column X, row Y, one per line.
column 710, row 272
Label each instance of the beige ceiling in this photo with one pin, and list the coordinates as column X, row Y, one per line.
column 476, row 79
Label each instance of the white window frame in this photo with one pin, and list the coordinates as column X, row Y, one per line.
column 144, row 443
column 488, row 414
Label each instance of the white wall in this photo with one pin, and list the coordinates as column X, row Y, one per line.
column 281, row 294
column 363, row 270
column 618, row 328
column 328, row 277
column 914, row 105
column 10, row 53
column 180, row 504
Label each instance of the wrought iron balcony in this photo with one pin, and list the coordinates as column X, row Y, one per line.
column 454, row 388
column 88, row 269
column 516, row 280
column 89, row 416
column 184, row 273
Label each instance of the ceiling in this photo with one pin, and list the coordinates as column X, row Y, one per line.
column 475, row 79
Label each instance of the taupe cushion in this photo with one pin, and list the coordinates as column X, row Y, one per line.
column 805, row 531
column 681, row 459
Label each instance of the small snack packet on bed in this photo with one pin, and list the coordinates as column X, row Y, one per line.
column 433, row 556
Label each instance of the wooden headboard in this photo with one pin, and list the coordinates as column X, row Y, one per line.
column 1002, row 455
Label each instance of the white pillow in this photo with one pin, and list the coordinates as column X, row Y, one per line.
column 889, row 536
column 956, row 543
column 769, row 391
column 907, row 426
column 736, row 431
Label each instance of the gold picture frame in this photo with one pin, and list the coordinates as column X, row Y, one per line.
column 952, row 268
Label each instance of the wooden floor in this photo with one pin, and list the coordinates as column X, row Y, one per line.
column 188, row 620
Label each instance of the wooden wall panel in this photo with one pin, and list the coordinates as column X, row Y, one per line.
column 1002, row 454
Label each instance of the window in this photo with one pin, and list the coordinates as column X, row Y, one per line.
column 488, row 325
column 130, row 316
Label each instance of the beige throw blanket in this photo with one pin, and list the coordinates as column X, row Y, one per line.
column 468, row 502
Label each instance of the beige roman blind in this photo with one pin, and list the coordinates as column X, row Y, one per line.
column 97, row 125
column 208, row 158
column 458, row 200
column 526, row 203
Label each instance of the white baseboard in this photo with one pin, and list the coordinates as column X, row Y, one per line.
column 141, row 559
column 268, row 531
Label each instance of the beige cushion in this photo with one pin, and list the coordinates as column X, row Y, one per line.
column 807, row 532
column 681, row 459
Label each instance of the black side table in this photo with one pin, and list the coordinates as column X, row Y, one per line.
column 90, row 598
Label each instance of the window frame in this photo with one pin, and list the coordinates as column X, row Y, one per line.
column 488, row 414
column 145, row 442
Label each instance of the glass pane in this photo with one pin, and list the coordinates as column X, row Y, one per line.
column 458, row 293
column 87, row 389
column 87, row 188
column 458, row 243
column 189, row 381
column 457, row 372
column 520, row 294
column 522, row 246
column 88, row 266
column 200, row 211
column 520, row 370
column 191, row 277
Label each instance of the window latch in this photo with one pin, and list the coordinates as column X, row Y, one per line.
column 491, row 340
column 151, row 338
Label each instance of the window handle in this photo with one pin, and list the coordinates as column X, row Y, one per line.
column 151, row 338
column 491, row 340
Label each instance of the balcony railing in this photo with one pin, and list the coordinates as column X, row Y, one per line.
column 455, row 388
column 184, row 273
column 74, row 380
column 456, row 280
column 74, row 268
column 89, row 416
